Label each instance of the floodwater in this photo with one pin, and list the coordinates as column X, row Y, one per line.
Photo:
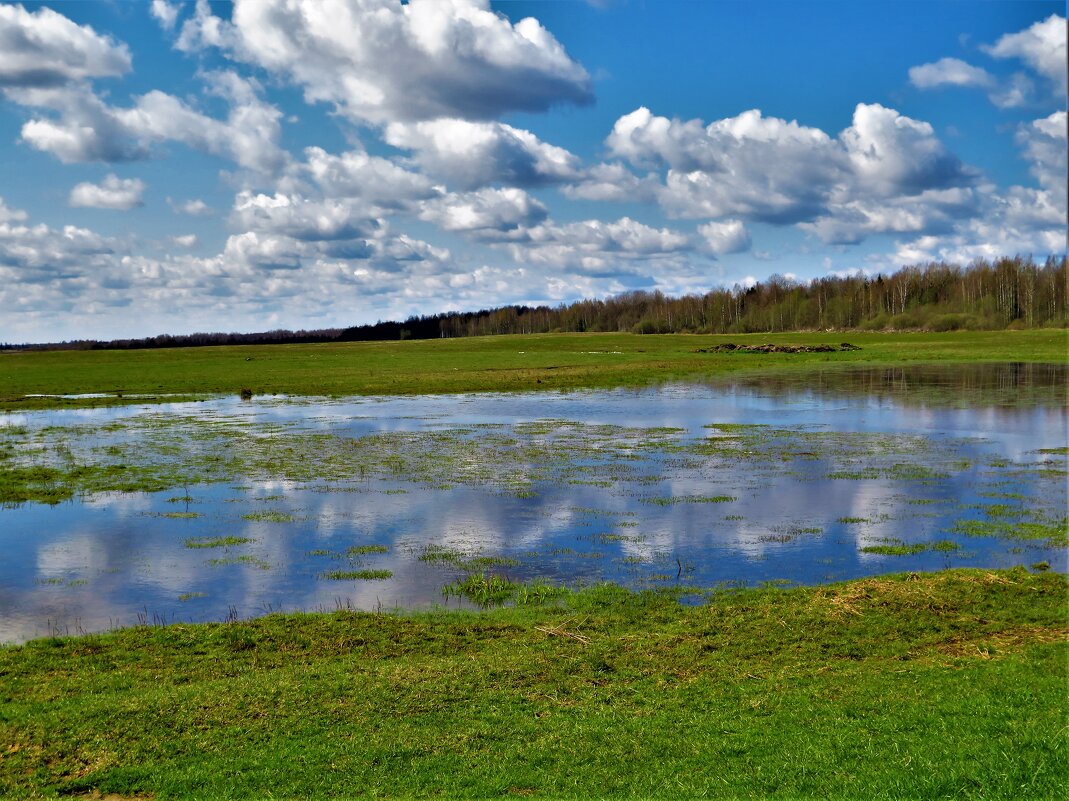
column 799, row 478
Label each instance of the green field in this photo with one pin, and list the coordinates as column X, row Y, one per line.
column 949, row 685
column 945, row 685
column 506, row 363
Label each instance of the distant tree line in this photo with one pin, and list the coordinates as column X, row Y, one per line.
column 1006, row 293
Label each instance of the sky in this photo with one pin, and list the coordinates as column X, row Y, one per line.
column 172, row 167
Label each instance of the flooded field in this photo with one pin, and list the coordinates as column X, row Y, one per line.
column 232, row 508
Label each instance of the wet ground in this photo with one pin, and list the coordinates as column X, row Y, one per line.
column 231, row 508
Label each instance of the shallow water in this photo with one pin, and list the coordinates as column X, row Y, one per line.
column 783, row 478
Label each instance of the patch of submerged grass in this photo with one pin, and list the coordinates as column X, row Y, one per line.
column 853, row 520
column 674, row 499
column 466, row 561
column 1056, row 533
column 361, row 550
column 269, row 517
column 495, row 590
column 900, row 471
column 896, row 547
column 216, row 542
column 240, row 560
column 357, row 575
column 439, row 553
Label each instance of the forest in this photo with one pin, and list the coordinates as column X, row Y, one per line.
column 984, row 295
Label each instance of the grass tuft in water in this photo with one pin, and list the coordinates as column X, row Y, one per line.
column 361, row 550
column 895, row 547
column 216, row 542
column 357, row 575
column 269, row 517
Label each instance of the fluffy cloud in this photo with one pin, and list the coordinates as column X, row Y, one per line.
column 1042, row 47
column 755, row 168
column 949, row 72
column 726, row 237
column 1008, row 93
column 303, row 219
column 8, row 214
column 39, row 254
column 68, row 282
column 1043, row 142
column 487, row 211
column 932, row 211
column 473, row 154
column 87, row 129
column 748, row 166
column 612, row 182
column 596, row 247
column 892, row 154
column 112, row 193
column 194, row 208
column 185, row 240
column 382, row 61
column 1019, row 220
column 165, row 13
column 266, row 251
column 288, row 232
column 355, row 174
column 44, row 48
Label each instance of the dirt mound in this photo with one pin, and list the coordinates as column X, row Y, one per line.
column 730, row 347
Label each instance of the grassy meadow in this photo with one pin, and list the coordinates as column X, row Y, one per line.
column 947, row 685
column 504, row 363
column 942, row 685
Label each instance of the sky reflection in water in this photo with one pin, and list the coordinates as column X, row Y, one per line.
column 652, row 517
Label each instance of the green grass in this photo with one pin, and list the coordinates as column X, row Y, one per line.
column 358, row 575
column 947, row 685
column 216, row 542
column 550, row 361
column 674, row 499
column 895, row 547
column 271, row 516
column 361, row 550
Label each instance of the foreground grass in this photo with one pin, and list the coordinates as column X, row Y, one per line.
column 948, row 685
column 506, row 363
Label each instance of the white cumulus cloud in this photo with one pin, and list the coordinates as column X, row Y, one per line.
column 1042, row 47
column 1009, row 93
column 487, row 210
column 111, row 193
column 949, row 72
column 597, row 247
column 44, row 48
column 473, row 154
column 8, row 214
column 355, row 174
column 754, row 168
column 194, row 207
column 725, row 237
column 165, row 13
column 383, row 61
column 88, row 129
column 892, row 154
column 303, row 219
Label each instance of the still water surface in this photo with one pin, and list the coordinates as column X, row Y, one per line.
column 783, row 479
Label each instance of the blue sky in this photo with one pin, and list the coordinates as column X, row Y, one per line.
column 178, row 167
